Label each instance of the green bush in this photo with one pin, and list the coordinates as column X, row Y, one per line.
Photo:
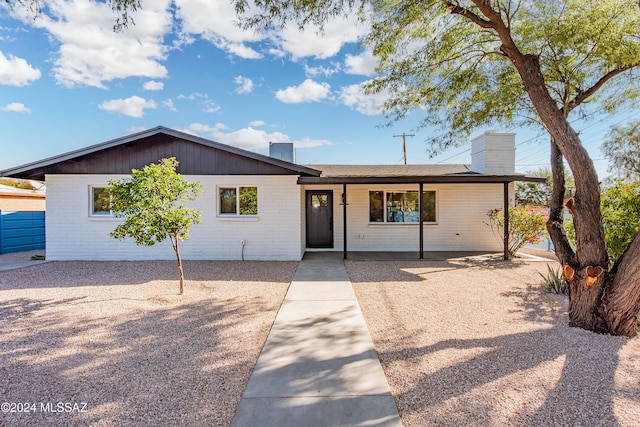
column 527, row 225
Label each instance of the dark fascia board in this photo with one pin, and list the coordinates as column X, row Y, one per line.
column 151, row 132
column 427, row 179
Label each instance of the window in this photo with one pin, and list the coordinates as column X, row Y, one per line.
column 100, row 202
column 401, row 206
column 319, row 200
column 239, row 201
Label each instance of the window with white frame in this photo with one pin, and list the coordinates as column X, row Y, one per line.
column 401, row 206
column 238, row 200
column 99, row 202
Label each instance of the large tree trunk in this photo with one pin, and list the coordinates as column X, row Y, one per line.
column 605, row 303
column 621, row 302
column 599, row 301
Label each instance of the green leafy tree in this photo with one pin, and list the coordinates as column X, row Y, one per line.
column 527, row 225
column 539, row 194
column 150, row 202
column 622, row 149
column 621, row 216
column 478, row 63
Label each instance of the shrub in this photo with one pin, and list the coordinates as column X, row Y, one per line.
column 527, row 225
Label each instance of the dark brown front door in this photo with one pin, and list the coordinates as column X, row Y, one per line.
column 319, row 218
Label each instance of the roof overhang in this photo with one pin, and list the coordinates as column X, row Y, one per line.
column 425, row 179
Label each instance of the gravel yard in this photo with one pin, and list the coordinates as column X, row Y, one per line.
column 116, row 345
column 461, row 343
column 477, row 343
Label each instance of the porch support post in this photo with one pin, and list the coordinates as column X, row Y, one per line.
column 506, row 220
column 420, row 204
column 344, row 220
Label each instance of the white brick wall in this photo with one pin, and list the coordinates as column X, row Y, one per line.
column 275, row 234
column 279, row 231
column 461, row 220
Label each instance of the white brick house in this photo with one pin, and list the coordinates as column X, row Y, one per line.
column 299, row 208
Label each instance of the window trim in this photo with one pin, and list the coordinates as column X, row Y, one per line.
column 237, row 214
column 92, row 213
column 385, row 202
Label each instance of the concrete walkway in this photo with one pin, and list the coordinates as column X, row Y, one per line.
column 6, row 265
column 318, row 366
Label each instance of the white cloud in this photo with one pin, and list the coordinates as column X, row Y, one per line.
column 362, row 65
column 193, row 96
column 16, row 71
column 245, row 84
column 322, row 71
column 168, row 103
column 91, row 53
column 210, row 106
column 250, row 138
column 257, row 123
column 307, row 91
column 153, row 85
column 325, row 44
column 215, row 21
column 16, row 107
column 354, row 97
column 133, row 106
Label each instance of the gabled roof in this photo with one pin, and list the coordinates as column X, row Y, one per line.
column 200, row 157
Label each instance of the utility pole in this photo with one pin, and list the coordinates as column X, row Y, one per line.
column 404, row 144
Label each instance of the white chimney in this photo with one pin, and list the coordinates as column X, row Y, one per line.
column 282, row 151
column 494, row 153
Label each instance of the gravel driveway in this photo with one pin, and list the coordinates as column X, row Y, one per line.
column 461, row 343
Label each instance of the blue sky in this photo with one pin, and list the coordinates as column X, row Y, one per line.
column 68, row 81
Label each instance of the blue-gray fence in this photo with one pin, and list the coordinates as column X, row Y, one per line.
column 21, row 231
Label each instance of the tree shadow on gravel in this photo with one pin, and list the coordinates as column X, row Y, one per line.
column 69, row 274
column 582, row 394
column 157, row 364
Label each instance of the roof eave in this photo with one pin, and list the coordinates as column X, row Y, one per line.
column 425, row 179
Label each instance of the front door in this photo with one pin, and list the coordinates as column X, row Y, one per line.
column 319, row 218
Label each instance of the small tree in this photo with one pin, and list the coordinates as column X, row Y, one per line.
column 149, row 202
column 526, row 226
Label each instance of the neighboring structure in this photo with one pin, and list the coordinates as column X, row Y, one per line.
column 298, row 208
column 20, row 199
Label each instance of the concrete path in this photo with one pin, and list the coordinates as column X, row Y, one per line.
column 318, row 367
column 12, row 265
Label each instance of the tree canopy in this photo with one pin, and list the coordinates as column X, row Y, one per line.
column 457, row 70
